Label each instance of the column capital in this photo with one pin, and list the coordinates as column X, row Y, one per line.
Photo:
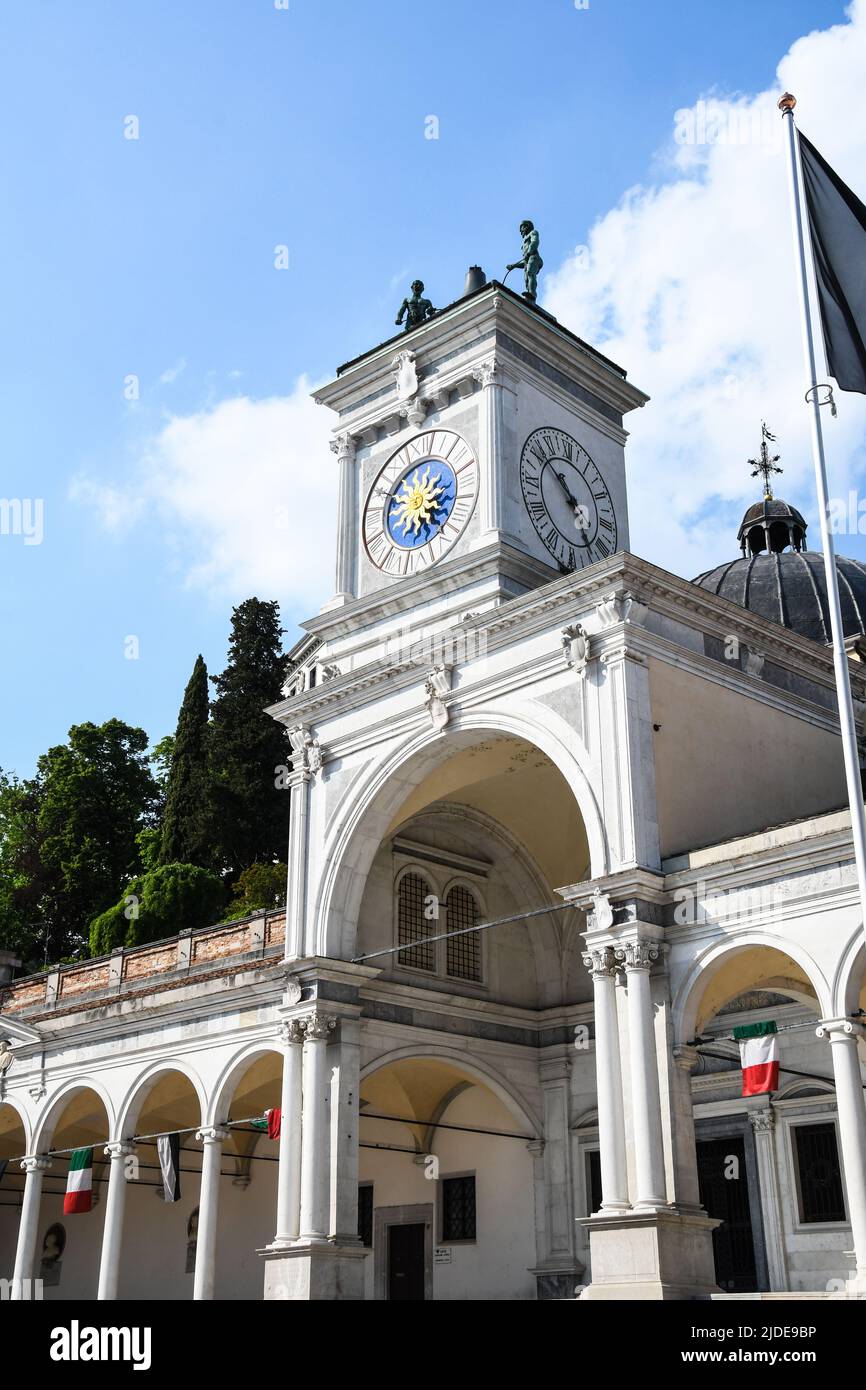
column 343, row 445
column 292, row 1032
column 762, row 1121
column 487, row 373
column 36, row 1163
column 118, row 1148
column 638, row 954
column 317, row 1026
column 601, row 962
column 840, row 1030
column 212, row 1134
column 686, row 1057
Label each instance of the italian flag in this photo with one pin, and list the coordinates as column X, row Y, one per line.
column 79, row 1184
column 270, row 1123
column 759, row 1057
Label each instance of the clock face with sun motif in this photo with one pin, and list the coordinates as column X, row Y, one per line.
column 420, row 502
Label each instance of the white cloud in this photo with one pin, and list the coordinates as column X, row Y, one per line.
column 244, row 496
column 690, row 285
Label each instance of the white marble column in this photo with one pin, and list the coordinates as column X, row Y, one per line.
column 289, row 1171
column 763, row 1124
column 315, row 1165
column 601, row 963
column 489, row 376
column 296, row 886
column 343, row 445
column 208, row 1211
column 112, row 1230
column 28, row 1226
column 851, row 1109
column 638, row 957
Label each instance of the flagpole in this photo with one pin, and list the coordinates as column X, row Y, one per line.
column 847, row 727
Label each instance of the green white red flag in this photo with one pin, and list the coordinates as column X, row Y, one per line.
column 759, row 1057
column 79, row 1183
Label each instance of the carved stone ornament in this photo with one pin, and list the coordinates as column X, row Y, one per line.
column 292, row 1032
column 307, row 754
column 619, row 608
column 753, row 663
column 343, row 445
column 330, row 673
column 405, row 374
column 416, row 413
column 436, row 686
column 292, row 993
column 575, row 645
column 762, row 1121
column 602, row 911
column 601, row 963
column 486, row 373
column 317, row 1026
column 637, row 955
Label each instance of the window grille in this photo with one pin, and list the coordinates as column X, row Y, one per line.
column 412, row 926
column 463, row 953
column 458, row 1208
column 821, row 1197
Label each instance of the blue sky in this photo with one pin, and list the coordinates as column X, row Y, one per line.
column 154, row 257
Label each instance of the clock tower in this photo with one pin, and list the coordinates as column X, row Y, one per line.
column 481, row 454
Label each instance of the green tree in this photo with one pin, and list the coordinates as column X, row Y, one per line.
column 95, row 794
column 259, row 886
column 23, row 927
column 170, row 899
column 187, row 833
column 247, row 745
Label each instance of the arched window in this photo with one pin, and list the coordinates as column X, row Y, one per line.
column 463, row 953
column 413, row 925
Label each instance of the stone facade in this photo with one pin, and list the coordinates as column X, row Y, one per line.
column 589, row 760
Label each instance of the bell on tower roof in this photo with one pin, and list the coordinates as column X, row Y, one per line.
column 771, row 525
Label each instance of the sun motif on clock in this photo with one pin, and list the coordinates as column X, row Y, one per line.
column 420, row 502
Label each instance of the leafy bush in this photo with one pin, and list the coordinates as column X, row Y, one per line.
column 259, row 886
column 160, row 903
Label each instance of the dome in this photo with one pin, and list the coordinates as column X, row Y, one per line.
column 790, row 588
column 771, row 525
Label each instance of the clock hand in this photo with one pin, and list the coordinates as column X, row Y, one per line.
column 572, row 500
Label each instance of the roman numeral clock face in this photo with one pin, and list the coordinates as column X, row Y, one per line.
column 420, row 502
column 567, row 499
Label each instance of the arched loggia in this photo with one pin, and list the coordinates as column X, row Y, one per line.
column 378, row 795
column 435, row 1130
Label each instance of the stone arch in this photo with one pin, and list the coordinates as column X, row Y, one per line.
column 850, row 975
column 9, row 1103
column 233, row 1073
column 481, row 1071
column 53, row 1109
column 691, row 996
column 377, row 795
column 146, row 1081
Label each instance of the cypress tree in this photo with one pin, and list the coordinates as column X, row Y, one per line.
column 247, row 745
column 186, row 826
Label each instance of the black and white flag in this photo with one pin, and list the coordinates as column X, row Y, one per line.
column 168, row 1148
column 837, row 222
